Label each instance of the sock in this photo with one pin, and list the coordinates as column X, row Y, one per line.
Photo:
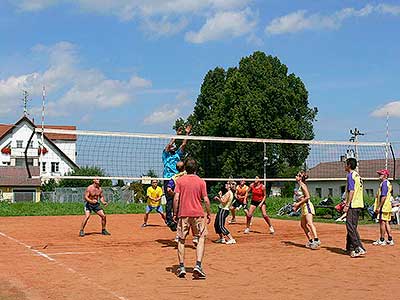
column 382, row 239
column 198, row 263
column 310, row 240
column 390, row 238
column 316, row 239
column 181, row 265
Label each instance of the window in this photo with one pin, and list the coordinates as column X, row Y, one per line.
column 55, row 167
column 19, row 144
column 370, row 192
column 6, row 163
column 43, row 167
column 318, row 192
column 330, row 192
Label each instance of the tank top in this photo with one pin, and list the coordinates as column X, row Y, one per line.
column 257, row 192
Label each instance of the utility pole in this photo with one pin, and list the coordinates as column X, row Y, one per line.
column 354, row 138
column 25, row 100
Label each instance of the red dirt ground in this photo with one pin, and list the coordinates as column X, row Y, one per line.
column 136, row 263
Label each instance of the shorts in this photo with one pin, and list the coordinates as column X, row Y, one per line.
column 198, row 225
column 384, row 216
column 307, row 208
column 92, row 207
column 256, row 203
column 158, row 209
column 239, row 205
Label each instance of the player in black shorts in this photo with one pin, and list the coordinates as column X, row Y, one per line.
column 93, row 194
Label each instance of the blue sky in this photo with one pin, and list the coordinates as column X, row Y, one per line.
column 137, row 65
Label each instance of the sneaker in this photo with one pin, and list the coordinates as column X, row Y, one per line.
column 220, row 241
column 232, row 221
column 309, row 244
column 105, row 232
column 143, row 225
column 195, row 241
column 362, row 251
column 198, row 273
column 379, row 243
column 231, row 242
column 246, row 231
column 181, row 272
column 354, row 254
column 390, row 243
column 318, row 243
column 271, row 230
column 81, row 233
column 176, row 238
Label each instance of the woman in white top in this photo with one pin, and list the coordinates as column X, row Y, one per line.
column 225, row 198
column 302, row 197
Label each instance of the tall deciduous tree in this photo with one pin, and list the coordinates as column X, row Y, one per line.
column 257, row 99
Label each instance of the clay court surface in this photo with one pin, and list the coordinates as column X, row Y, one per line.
column 43, row 258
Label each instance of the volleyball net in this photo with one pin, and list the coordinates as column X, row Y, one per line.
column 133, row 156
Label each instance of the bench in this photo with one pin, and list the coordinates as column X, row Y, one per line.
column 330, row 207
column 334, row 212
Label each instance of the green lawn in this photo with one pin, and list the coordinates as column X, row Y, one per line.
column 60, row 209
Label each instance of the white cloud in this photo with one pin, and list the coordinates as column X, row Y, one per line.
column 165, row 115
column 393, row 108
column 75, row 87
column 300, row 20
column 159, row 17
column 164, row 26
column 223, row 25
column 34, row 5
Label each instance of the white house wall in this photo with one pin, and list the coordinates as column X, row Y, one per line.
column 23, row 132
column 370, row 185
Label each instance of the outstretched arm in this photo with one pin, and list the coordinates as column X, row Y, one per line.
column 188, row 129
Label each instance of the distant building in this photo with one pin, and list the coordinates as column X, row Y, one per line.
column 55, row 156
column 329, row 178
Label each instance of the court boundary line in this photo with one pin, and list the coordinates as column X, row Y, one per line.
column 44, row 255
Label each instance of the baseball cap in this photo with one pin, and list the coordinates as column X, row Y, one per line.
column 383, row 172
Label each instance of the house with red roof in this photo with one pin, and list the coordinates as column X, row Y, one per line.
column 23, row 150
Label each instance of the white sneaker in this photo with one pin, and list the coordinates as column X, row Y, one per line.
column 176, row 238
column 362, row 251
column 271, row 230
column 309, row 244
column 354, row 254
column 247, row 231
column 379, row 243
column 390, row 243
column 232, row 221
column 220, row 241
column 318, row 243
column 231, row 242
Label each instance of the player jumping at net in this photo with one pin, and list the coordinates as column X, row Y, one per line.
column 170, row 157
column 302, row 197
column 154, row 194
column 258, row 196
column 383, row 209
column 92, row 195
column 225, row 197
column 188, row 213
column 240, row 202
column 353, row 208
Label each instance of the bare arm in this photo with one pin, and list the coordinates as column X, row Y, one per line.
column 102, row 199
column 176, row 205
column 303, row 199
column 188, row 128
column 208, row 209
column 264, row 197
column 349, row 198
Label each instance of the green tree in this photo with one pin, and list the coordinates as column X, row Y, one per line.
column 257, row 99
column 84, row 171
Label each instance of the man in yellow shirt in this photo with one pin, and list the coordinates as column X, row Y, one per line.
column 154, row 193
column 353, row 208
